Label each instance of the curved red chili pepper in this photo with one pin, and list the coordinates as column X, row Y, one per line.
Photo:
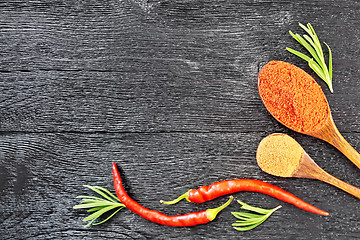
column 189, row 219
column 217, row 189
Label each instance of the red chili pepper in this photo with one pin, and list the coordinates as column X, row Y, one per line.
column 217, row 189
column 189, row 219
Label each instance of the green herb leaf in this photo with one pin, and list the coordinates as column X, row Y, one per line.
column 94, row 209
column 317, row 69
column 313, row 46
column 249, row 221
column 101, row 191
column 98, row 206
column 330, row 67
column 299, row 54
column 108, row 217
column 308, row 47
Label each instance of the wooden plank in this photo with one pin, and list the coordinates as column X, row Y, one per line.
column 113, row 69
column 49, row 101
column 45, row 172
column 209, row 38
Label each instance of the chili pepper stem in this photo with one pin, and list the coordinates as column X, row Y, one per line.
column 211, row 213
column 184, row 196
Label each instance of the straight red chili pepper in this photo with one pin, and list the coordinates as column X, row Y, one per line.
column 217, row 189
column 185, row 220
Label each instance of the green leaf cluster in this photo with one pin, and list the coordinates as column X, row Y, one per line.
column 98, row 206
column 313, row 46
column 248, row 221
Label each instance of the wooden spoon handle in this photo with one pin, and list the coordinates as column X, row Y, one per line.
column 309, row 169
column 326, row 177
column 344, row 147
column 331, row 134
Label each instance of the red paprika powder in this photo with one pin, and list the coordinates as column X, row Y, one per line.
column 292, row 96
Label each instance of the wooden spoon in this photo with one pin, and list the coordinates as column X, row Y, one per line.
column 327, row 131
column 280, row 155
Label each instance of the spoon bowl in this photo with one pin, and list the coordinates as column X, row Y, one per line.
column 325, row 129
column 289, row 159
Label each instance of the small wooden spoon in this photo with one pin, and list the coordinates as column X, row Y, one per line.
column 280, row 155
column 327, row 132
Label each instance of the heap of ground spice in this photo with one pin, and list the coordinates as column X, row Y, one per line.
column 292, row 96
column 279, row 155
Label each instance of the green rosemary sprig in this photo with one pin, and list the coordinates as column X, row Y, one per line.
column 249, row 221
column 313, row 46
column 99, row 206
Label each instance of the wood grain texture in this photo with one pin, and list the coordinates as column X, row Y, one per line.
column 166, row 89
column 57, row 165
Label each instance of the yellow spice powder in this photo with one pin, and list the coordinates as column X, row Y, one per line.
column 279, row 154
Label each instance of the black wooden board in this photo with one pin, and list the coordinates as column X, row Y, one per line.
column 167, row 90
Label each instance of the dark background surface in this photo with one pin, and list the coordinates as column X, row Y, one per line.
column 167, row 90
